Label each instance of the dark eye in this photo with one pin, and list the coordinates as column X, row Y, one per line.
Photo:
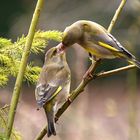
column 54, row 52
column 86, row 27
column 84, row 24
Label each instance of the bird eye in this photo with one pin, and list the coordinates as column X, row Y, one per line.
column 84, row 24
column 86, row 27
column 54, row 52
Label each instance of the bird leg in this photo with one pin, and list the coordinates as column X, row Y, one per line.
column 56, row 119
column 88, row 73
column 69, row 99
column 94, row 60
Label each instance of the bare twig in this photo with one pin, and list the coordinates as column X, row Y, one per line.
column 117, row 13
column 86, row 78
column 111, row 72
column 18, row 84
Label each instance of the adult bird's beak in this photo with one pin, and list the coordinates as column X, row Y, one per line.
column 60, row 48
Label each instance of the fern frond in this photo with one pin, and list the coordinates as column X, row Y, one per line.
column 3, row 80
column 32, row 73
column 4, row 42
column 49, row 35
column 5, row 60
column 11, row 53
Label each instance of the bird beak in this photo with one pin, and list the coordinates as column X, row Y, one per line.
column 60, row 48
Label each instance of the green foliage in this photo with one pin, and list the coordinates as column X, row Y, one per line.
column 3, row 125
column 11, row 53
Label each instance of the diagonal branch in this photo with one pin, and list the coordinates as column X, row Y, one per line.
column 77, row 91
column 86, row 78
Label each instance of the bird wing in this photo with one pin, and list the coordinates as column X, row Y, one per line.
column 109, row 42
column 120, row 47
column 52, row 78
column 45, row 93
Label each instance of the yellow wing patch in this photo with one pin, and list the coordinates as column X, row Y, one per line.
column 56, row 92
column 92, row 51
column 107, row 46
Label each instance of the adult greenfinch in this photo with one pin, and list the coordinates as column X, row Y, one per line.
column 53, row 85
column 96, row 40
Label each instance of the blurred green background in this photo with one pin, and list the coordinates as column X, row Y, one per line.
column 109, row 107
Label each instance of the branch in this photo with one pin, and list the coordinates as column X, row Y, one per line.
column 111, row 72
column 80, row 89
column 18, row 84
column 86, row 78
column 115, row 17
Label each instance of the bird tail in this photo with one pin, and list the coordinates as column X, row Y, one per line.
column 51, row 124
column 135, row 62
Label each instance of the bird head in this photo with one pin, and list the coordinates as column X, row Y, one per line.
column 75, row 33
column 72, row 34
column 54, row 55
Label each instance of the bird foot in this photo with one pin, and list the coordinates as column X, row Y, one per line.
column 93, row 58
column 69, row 100
column 56, row 119
column 88, row 75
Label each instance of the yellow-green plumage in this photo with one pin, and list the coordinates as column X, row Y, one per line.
column 96, row 40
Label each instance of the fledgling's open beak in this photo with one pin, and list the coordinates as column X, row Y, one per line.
column 60, row 48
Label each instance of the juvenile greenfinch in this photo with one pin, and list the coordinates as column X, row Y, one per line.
column 53, row 85
column 96, row 40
